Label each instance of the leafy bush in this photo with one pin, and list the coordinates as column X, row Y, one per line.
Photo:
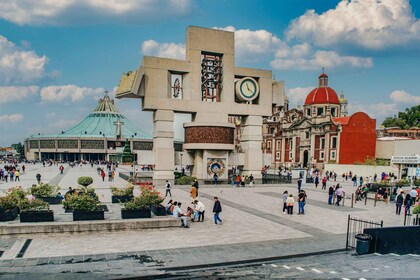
column 402, row 182
column 417, row 183
column 136, row 204
column 85, row 181
column 7, row 203
column 416, row 209
column 122, row 191
column 81, row 202
column 149, row 196
column 186, row 180
column 16, row 194
column 27, row 205
column 44, row 190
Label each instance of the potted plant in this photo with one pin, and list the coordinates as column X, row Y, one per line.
column 85, row 181
column 154, row 198
column 122, row 195
column 8, row 209
column 85, row 207
column 139, row 207
column 35, row 210
column 47, row 193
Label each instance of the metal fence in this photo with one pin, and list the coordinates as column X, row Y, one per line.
column 356, row 226
column 411, row 220
column 276, row 179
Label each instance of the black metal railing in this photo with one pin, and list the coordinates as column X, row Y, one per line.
column 276, row 179
column 356, row 226
column 411, row 220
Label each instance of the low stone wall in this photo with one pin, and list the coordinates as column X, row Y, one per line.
column 359, row 170
column 86, row 226
column 398, row 240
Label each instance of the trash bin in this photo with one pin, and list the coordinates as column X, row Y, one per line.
column 363, row 243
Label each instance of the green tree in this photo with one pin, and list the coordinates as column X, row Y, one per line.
column 20, row 149
column 409, row 118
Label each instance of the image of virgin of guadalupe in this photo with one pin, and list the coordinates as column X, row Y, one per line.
column 177, row 88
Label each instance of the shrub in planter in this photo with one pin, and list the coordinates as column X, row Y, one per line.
column 46, row 193
column 416, row 209
column 8, row 209
column 35, row 211
column 85, row 207
column 122, row 195
column 139, row 207
column 185, row 180
column 85, row 181
column 402, row 182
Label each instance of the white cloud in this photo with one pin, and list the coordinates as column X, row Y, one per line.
column 375, row 110
column 18, row 65
column 317, row 60
column 16, row 93
column 298, row 95
column 401, row 96
column 170, row 50
column 370, row 24
column 50, row 114
column 59, row 12
column 14, row 118
column 72, row 92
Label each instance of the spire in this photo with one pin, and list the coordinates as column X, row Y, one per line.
column 106, row 104
column 323, row 79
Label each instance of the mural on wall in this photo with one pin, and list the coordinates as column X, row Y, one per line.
column 216, row 166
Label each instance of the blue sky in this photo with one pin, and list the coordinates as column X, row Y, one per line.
column 58, row 57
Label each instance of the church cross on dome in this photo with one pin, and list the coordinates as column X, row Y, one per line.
column 323, row 79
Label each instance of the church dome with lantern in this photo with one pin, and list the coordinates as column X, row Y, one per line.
column 323, row 94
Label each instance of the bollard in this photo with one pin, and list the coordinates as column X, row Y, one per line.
column 352, row 200
column 376, row 197
column 365, row 199
column 344, row 197
column 333, row 199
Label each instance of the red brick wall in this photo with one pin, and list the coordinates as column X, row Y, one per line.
column 297, row 153
column 357, row 139
column 316, row 150
column 287, row 150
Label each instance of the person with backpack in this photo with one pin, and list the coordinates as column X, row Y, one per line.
column 168, row 189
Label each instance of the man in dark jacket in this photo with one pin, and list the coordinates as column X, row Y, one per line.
column 217, row 208
column 398, row 203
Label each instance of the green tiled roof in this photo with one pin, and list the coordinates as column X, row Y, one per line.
column 101, row 123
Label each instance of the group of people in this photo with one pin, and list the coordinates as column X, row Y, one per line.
column 12, row 172
column 237, row 180
column 289, row 202
column 406, row 199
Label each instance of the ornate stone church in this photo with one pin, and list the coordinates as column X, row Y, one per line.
column 320, row 132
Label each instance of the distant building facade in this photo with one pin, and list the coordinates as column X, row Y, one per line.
column 320, row 132
column 411, row 133
column 100, row 136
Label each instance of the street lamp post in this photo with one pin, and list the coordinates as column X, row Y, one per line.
column 181, row 161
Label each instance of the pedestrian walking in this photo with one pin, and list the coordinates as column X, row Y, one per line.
column 284, row 197
column 251, row 181
column 215, row 179
column 316, row 181
column 290, row 201
column 38, row 178
column 398, row 203
column 217, row 209
column 168, row 189
column 339, row 193
column 17, row 175
column 103, row 175
column 193, row 192
column 299, row 182
column 330, row 194
column 61, row 169
column 407, row 203
column 324, row 183
column 195, row 185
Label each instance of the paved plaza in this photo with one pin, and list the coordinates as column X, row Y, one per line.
column 254, row 227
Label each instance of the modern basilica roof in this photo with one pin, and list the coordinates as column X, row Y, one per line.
column 105, row 121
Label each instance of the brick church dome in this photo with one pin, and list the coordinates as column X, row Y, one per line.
column 323, row 94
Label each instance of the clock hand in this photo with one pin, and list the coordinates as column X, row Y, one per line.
column 247, row 86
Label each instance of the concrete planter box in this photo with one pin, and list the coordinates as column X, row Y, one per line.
column 8, row 215
column 88, row 215
column 135, row 214
column 36, row 216
column 121, row 198
column 159, row 210
column 51, row 200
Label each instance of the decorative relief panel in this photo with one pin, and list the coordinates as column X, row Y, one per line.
column 209, row 134
column 33, row 144
column 144, row 146
column 47, row 144
column 68, row 144
column 92, row 144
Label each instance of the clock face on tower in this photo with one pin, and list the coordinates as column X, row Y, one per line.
column 247, row 89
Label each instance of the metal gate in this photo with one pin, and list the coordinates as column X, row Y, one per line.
column 356, row 226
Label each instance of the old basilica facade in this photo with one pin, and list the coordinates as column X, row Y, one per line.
column 320, row 132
